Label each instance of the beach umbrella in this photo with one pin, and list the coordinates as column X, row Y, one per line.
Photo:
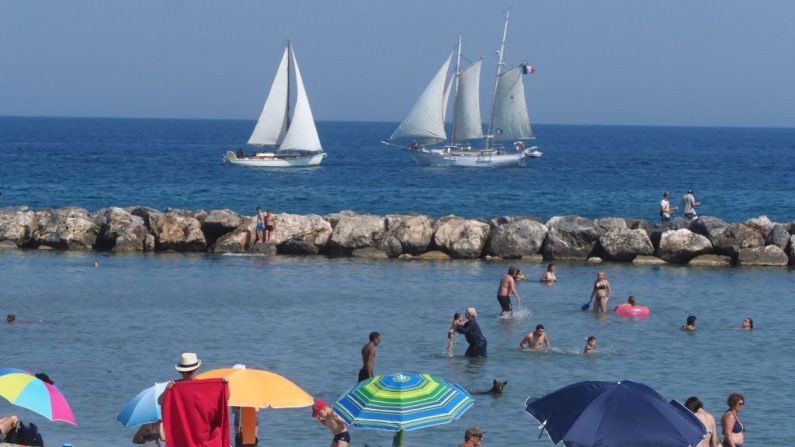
column 595, row 413
column 256, row 388
column 143, row 408
column 24, row 389
column 402, row 402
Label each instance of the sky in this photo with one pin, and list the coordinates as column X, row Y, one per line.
column 634, row 62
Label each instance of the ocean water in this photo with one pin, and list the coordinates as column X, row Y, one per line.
column 108, row 332
column 593, row 171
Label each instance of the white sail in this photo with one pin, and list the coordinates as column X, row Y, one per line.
column 467, row 105
column 272, row 123
column 426, row 118
column 511, row 121
column 445, row 98
column 302, row 134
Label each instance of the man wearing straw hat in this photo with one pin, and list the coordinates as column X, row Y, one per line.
column 188, row 364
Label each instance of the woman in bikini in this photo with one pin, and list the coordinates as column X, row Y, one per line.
column 733, row 428
column 601, row 292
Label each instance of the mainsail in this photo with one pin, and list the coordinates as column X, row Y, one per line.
column 426, row 118
column 272, row 124
column 511, row 121
column 302, row 134
column 468, row 125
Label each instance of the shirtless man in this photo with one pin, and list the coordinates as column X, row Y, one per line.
column 549, row 276
column 508, row 288
column 270, row 225
column 326, row 416
column 535, row 339
column 690, row 324
column 368, row 356
column 694, row 404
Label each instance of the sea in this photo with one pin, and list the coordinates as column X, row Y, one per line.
column 103, row 334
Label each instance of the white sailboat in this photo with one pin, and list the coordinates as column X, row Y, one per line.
column 509, row 121
column 279, row 141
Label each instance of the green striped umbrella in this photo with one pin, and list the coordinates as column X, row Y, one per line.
column 402, row 402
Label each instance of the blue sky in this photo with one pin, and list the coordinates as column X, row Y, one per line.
column 673, row 62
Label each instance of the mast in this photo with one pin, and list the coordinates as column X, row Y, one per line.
column 457, row 76
column 500, row 64
column 289, row 64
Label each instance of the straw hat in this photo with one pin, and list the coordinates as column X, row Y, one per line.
column 188, row 362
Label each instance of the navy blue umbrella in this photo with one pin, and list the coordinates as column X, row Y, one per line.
column 591, row 413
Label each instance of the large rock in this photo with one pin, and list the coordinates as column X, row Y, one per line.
column 502, row 220
column 238, row 240
column 656, row 232
column 369, row 253
column 121, row 231
column 433, row 255
column 625, row 245
column 791, row 250
column 682, row 245
column 296, row 247
column 461, row 238
column 770, row 255
column 571, row 237
column 778, row 236
column 736, row 237
column 639, row 224
column 149, row 215
column 648, row 260
column 217, row 223
column 264, row 248
column 178, row 231
column 17, row 225
column 407, row 234
column 309, row 228
column 357, row 231
column 611, row 223
column 711, row 261
column 333, row 218
column 516, row 239
column 762, row 224
column 68, row 228
column 708, row 226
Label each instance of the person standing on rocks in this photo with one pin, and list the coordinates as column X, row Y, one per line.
column 506, row 289
column 689, row 205
column 270, row 225
column 665, row 208
column 368, row 356
column 471, row 330
column 260, row 225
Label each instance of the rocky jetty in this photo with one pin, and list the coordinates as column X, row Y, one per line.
column 707, row 241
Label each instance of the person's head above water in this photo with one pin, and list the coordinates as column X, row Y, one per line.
column 631, row 300
column 748, row 323
column 539, row 328
column 551, row 268
column 512, row 270
column 471, row 313
column 11, row 318
column 691, row 320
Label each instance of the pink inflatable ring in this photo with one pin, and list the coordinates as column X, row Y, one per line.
column 630, row 311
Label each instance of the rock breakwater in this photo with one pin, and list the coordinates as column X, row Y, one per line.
column 707, row 241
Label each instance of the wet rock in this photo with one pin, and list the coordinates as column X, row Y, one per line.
column 736, row 237
column 625, row 245
column 121, row 231
column 778, row 236
column 309, row 228
column 407, row 234
column 571, row 237
column 517, row 239
column 357, row 231
column 770, row 255
column 217, row 223
column 8, row 245
column 648, row 260
column 433, row 255
column 264, row 248
column 611, row 223
column 708, row 226
column 711, row 261
column 369, row 253
column 296, row 247
column 595, row 260
column 533, row 258
column 682, row 245
column 176, row 231
column 461, row 238
column 17, row 225
column 69, row 228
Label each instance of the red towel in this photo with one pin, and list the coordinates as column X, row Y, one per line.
column 195, row 414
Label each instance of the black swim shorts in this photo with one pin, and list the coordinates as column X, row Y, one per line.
column 505, row 303
column 344, row 436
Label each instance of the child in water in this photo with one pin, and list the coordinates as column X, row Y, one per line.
column 451, row 333
column 590, row 345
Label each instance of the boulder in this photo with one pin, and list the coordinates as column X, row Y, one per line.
column 502, row 220
column 611, row 223
column 791, row 250
column 461, row 238
column 309, row 228
column 407, row 234
column 8, row 245
column 433, row 255
column 333, row 218
column 625, row 245
column 778, row 236
column 682, row 245
column 639, row 224
column 238, row 240
column 708, row 226
column 648, row 260
column 533, row 258
column 570, row 237
column 178, row 231
column 711, row 261
column 656, row 232
column 121, row 231
column 17, row 225
column 594, row 260
column 770, row 255
column 516, row 239
column 369, row 253
column 217, row 223
column 761, row 224
column 357, row 231
column 297, row 247
column 791, row 227
column 264, row 248
column 68, row 228
column 736, row 237
column 147, row 214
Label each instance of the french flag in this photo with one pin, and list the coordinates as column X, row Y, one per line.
column 527, row 69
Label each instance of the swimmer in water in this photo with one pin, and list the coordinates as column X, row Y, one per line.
column 549, row 276
column 451, row 333
column 506, row 289
column 630, row 301
column 95, row 264
column 690, row 324
column 11, row 318
column 590, row 345
column 748, row 324
column 535, row 339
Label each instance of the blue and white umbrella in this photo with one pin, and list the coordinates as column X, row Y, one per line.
column 143, row 408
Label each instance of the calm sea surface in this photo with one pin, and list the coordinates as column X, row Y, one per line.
column 107, row 333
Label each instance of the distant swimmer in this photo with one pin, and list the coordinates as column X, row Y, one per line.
column 630, row 301
column 95, row 264
column 11, row 318
column 368, row 356
column 748, row 324
column 590, row 345
column 535, row 339
column 549, row 276
column 506, row 289
column 690, row 324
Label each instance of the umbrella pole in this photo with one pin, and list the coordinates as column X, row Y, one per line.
column 397, row 441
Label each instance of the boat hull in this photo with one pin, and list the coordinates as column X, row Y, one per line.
column 277, row 161
column 475, row 159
